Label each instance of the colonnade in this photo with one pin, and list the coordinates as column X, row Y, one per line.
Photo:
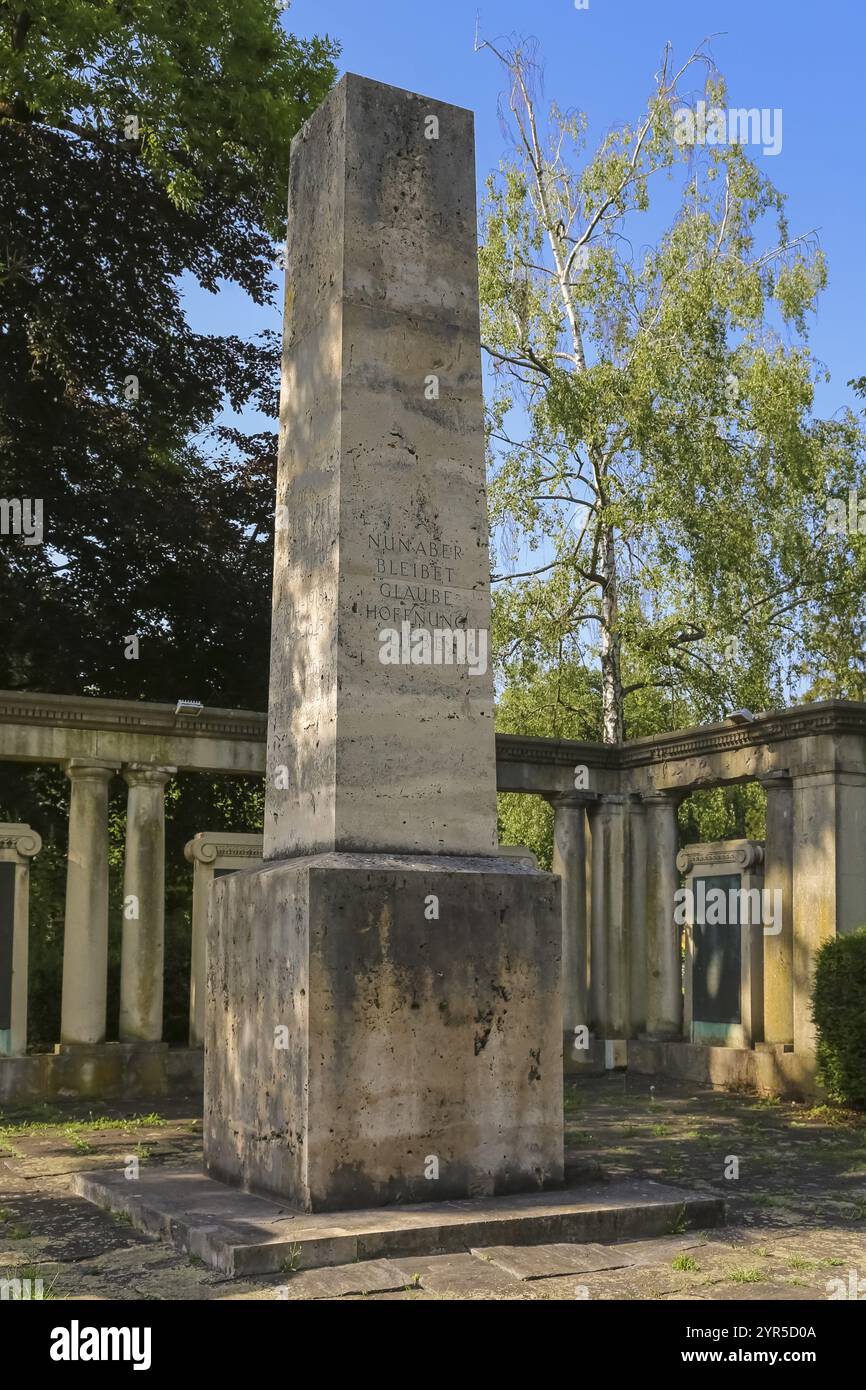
column 616, row 854
column 85, row 938
column 614, row 846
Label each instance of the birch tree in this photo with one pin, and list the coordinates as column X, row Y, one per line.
column 658, row 482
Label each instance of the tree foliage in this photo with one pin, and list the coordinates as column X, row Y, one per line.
column 659, row 480
column 144, row 149
column 155, row 513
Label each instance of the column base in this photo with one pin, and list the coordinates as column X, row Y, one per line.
column 102, row 1071
column 615, row 1054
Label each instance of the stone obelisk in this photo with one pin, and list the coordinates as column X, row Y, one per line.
column 383, row 1018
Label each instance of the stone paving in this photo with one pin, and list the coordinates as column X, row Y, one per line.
column 796, row 1227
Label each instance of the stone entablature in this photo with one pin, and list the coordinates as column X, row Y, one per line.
column 829, row 736
column 54, row 728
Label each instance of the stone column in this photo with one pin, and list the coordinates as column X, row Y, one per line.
column 829, row 877
column 85, row 933
column 779, row 877
column 637, row 916
column 569, row 861
column 143, row 944
column 18, row 845
column 609, row 956
column 212, row 853
column 597, row 909
column 664, row 999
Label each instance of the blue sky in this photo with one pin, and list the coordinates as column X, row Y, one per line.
column 805, row 59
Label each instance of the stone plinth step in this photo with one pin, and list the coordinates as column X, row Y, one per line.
column 241, row 1234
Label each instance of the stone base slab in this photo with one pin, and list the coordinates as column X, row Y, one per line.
column 104, row 1071
column 240, row 1234
column 768, row 1071
column 384, row 1028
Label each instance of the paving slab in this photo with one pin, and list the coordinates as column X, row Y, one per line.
column 646, row 1253
column 369, row 1276
column 464, row 1274
column 238, row 1233
column 552, row 1261
column 758, row 1293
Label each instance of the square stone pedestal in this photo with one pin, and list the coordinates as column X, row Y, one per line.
column 384, row 1029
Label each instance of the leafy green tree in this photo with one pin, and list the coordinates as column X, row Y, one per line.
column 659, row 483
column 142, row 148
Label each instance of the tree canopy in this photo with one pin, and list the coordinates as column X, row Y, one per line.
column 143, row 148
column 659, row 478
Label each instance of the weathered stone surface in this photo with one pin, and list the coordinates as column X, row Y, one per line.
column 548, row 1261
column 462, row 1274
column 385, row 1046
column 105, row 1070
column 756, row 1293
column 381, row 513
column 367, row 1276
column 241, row 1234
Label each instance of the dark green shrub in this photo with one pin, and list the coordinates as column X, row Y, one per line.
column 839, row 1011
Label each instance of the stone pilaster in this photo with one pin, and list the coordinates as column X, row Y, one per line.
column 85, row 933
column 18, row 845
column 724, row 957
column 779, row 877
column 664, row 998
column 829, row 876
column 143, row 944
column 212, row 854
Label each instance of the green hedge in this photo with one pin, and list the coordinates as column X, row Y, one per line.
column 839, row 1011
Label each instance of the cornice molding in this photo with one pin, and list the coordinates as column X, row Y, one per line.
column 828, row 717
column 208, row 846
column 143, row 717
column 831, row 718
column 517, row 748
column 739, row 854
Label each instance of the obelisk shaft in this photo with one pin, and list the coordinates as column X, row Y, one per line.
column 373, row 743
